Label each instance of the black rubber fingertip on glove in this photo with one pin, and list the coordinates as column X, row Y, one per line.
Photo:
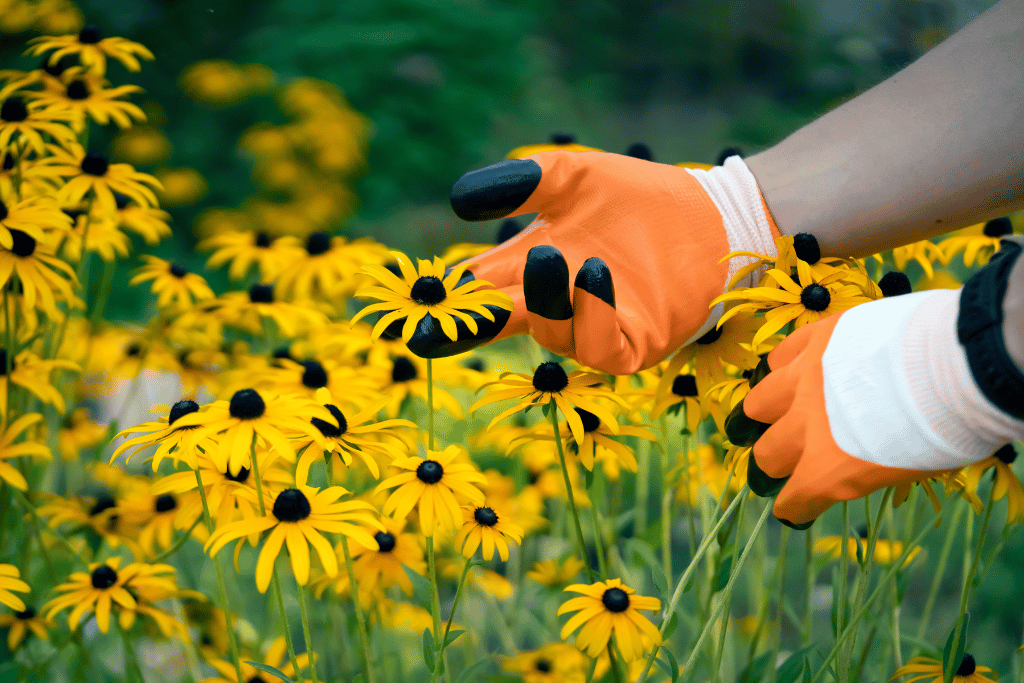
column 496, row 190
column 741, row 429
column 595, row 278
column 799, row 527
column 546, row 283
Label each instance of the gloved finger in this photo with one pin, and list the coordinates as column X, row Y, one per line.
column 546, row 294
column 599, row 338
column 805, row 497
column 430, row 341
column 778, row 451
column 517, row 323
column 773, row 396
column 793, row 345
column 495, row 191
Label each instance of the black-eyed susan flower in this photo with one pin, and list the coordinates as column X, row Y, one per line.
column 925, row 253
column 554, row 572
column 173, row 284
column 257, row 417
column 606, row 608
column 89, row 95
column 10, row 581
column 27, row 124
column 385, row 567
column 483, row 527
column 356, row 435
column 149, row 223
column 157, row 515
column 23, row 622
column 275, row 656
column 565, row 142
column 91, row 48
column 249, row 310
column 812, row 299
column 31, row 372
column 90, row 174
column 706, row 358
column 42, row 276
column 32, row 216
column 792, row 249
column 553, row 663
column 327, row 266
column 99, row 234
column 108, row 587
column 928, row 669
column 431, row 291
column 401, row 375
column 550, row 383
column 886, row 551
column 349, row 386
column 298, row 516
column 682, row 393
column 431, row 485
column 9, row 449
column 977, row 242
column 1006, row 482
column 240, row 249
column 178, row 441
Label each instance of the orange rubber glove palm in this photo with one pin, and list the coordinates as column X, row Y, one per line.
column 643, row 241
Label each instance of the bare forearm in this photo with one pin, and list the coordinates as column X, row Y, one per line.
column 938, row 146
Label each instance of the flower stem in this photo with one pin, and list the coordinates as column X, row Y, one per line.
column 221, row 588
column 780, row 573
column 132, row 669
column 719, row 651
column 435, row 603
column 276, row 582
column 966, row 590
column 101, row 298
column 677, row 594
column 430, row 404
column 666, row 510
column 940, row 569
column 358, row 606
column 553, row 414
column 305, row 631
column 455, row 603
column 602, row 562
column 844, row 568
column 810, row 577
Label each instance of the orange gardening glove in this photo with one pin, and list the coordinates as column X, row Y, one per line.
column 891, row 391
column 620, row 266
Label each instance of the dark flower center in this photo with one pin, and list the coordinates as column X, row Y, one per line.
column 862, row 531
column 13, row 110
column 179, row 271
column 90, row 35
column 262, row 240
column 282, row 353
column 815, row 298
column 8, row 163
column 25, row 614
column 3, row 363
column 485, row 516
column 257, row 679
column 3, row 211
column 77, row 90
column 241, row 477
column 997, row 227
column 967, row 666
column 403, row 371
column 428, row 291
column 24, row 244
column 562, row 138
column 313, row 375
column 429, row 472
column 894, row 283
column 385, row 540
column 102, row 503
column 615, row 600
column 711, row 336
column 590, row 421
column 133, row 349
column 326, row 428
column 261, row 294
column 1006, row 454
column 806, row 248
column 684, row 385
column 95, row 163
column 318, row 243
column 542, row 665
column 122, row 201
column 291, row 505
column 166, row 503
column 103, row 577
column 550, row 377
column 73, row 214
column 247, row 404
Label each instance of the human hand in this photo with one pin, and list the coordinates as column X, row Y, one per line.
column 880, row 395
column 642, row 240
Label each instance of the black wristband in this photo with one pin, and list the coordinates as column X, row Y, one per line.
column 979, row 327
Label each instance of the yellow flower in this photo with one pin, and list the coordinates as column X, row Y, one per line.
column 29, row 123
column 298, row 516
column 9, row 449
column 565, row 142
column 553, row 573
column 484, row 528
column 248, row 311
column 141, row 146
column 327, row 267
column 608, row 607
column 792, row 250
column 554, row 663
column 924, row 252
column 241, row 249
column 443, row 296
column 384, row 567
column 92, row 49
column 31, row 372
column 977, row 242
column 86, row 94
column 20, row 623
column 79, row 433
column 430, row 485
column 275, row 657
column 173, row 284
column 1006, row 482
column 43, row 276
column 180, row 186
column 885, row 551
column 924, row 668
column 10, row 580
column 32, row 216
column 92, row 174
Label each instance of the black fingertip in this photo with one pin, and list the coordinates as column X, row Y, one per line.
column 793, row 525
column 728, row 152
column 640, row 151
column 760, row 371
column 595, row 278
column 562, row 138
column 546, row 283
column 430, row 341
column 997, row 227
column 496, row 190
column 894, row 283
column 742, row 430
column 760, row 483
column 509, row 228
column 806, row 247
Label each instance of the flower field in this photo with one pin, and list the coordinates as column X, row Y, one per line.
column 262, row 478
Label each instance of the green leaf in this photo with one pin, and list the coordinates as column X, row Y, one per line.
column 266, row 668
column 724, row 570
column 951, row 660
column 358, row 678
column 673, row 624
column 674, row 672
column 754, row 672
column 452, row 635
column 469, row 674
column 428, row 649
column 791, row 670
column 588, row 477
column 637, row 548
column 420, row 584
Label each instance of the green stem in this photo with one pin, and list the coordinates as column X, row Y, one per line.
column 643, row 483
column 719, row 651
column 966, row 589
column 364, row 638
column 221, row 587
column 305, row 631
column 553, row 415
column 727, row 591
column 781, row 576
column 430, row 404
column 940, row 570
column 177, row 544
column 455, row 604
column 279, row 594
column 602, row 562
column 810, row 578
column 435, row 602
column 666, row 511
column 132, row 669
column 844, row 568
column 101, row 298
column 677, row 594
